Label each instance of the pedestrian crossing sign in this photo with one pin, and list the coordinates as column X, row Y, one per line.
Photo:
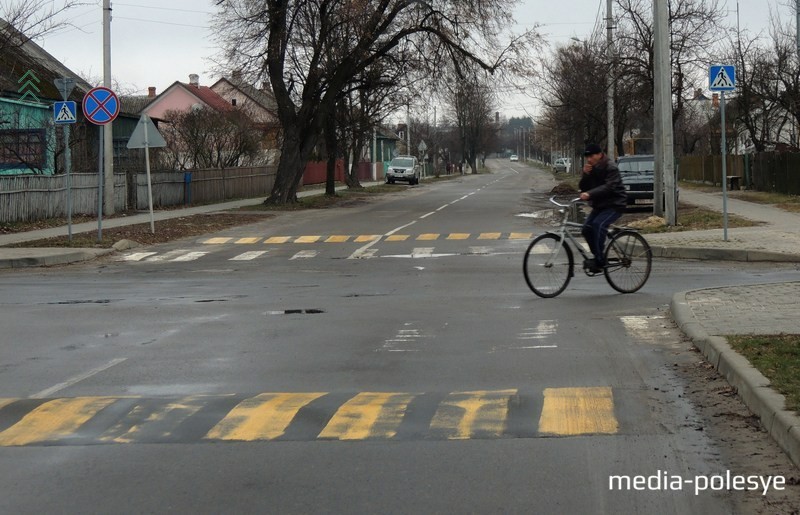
column 65, row 112
column 722, row 78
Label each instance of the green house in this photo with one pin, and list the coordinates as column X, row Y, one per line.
column 27, row 138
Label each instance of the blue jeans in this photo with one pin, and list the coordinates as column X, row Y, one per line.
column 595, row 229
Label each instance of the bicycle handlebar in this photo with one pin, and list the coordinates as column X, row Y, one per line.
column 571, row 202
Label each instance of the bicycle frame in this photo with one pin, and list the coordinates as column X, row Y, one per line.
column 563, row 231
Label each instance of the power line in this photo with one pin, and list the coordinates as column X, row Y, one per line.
column 164, row 8
column 161, row 22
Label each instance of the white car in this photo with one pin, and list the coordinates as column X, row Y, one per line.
column 403, row 168
column 514, row 157
column 562, row 164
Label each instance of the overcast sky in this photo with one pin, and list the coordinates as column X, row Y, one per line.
column 153, row 45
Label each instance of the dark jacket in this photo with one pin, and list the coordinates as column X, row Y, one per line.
column 604, row 185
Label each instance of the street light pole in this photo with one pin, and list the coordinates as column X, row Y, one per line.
column 664, row 177
column 610, row 77
column 108, row 135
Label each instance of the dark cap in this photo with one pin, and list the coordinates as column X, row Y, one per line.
column 592, row 149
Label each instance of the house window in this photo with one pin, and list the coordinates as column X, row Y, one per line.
column 25, row 147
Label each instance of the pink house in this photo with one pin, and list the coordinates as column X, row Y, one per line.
column 182, row 97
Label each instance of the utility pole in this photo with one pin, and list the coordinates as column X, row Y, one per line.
column 664, row 180
column 108, row 134
column 797, row 21
column 610, row 77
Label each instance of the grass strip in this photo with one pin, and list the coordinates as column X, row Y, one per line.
column 778, row 358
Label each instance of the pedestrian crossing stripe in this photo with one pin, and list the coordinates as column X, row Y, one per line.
column 306, row 416
column 365, row 238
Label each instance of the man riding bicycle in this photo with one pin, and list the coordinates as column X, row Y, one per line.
column 601, row 186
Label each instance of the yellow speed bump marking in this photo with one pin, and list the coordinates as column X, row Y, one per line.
column 263, row 417
column 277, row 239
column 367, row 237
column 489, row 236
column 458, row 236
column 520, row 236
column 53, row 420
column 217, row 241
column 337, row 239
column 463, row 415
column 245, row 241
column 398, row 237
column 368, row 415
column 307, row 239
column 578, row 411
column 428, row 237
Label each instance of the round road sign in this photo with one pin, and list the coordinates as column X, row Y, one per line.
column 100, row 106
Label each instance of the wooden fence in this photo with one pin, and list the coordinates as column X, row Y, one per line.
column 769, row 171
column 38, row 197
column 26, row 198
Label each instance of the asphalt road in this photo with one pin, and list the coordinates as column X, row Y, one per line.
column 300, row 365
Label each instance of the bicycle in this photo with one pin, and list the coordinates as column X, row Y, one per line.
column 549, row 262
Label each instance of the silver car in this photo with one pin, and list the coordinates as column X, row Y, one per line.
column 403, row 168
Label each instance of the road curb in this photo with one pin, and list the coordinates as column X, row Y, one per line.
column 48, row 258
column 717, row 254
column 751, row 385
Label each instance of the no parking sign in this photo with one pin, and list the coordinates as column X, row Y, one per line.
column 100, row 106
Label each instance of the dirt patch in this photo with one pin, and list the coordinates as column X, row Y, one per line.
column 166, row 230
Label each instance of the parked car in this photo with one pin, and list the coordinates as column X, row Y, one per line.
column 562, row 164
column 638, row 173
column 514, row 157
column 403, row 168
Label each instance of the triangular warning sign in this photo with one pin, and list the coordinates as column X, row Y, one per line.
column 722, row 80
column 65, row 115
column 145, row 135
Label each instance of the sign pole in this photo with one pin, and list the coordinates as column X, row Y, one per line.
column 149, row 183
column 100, row 131
column 724, row 170
column 68, row 169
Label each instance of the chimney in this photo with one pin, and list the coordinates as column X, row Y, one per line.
column 236, row 75
column 715, row 100
column 698, row 93
column 497, row 117
column 194, row 80
column 151, row 92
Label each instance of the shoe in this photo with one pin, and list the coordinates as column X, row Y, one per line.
column 592, row 266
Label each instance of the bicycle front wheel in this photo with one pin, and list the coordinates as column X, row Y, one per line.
column 628, row 261
column 547, row 265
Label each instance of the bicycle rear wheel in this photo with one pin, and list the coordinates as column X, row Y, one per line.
column 547, row 265
column 628, row 261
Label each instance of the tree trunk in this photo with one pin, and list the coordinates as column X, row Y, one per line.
column 331, row 145
column 351, row 177
column 295, row 151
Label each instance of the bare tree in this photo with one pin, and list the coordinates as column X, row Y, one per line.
column 21, row 20
column 288, row 41
column 206, row 138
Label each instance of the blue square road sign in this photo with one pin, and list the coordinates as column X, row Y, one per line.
column 64, row 112
column 722, row 78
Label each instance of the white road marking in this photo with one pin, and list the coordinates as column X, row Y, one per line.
column 427, row 215
column 480, row 250
column 422, row 252
column 362, row 253
column 304, row 254
column 166, row 256
column 249, row 256
column 78, row 378
column 535, row 347
column 191, row 256
column 138, row 256
column 545, row 329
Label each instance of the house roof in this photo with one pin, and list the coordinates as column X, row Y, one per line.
column 21, row 55
column 208, row 96
column 134, row 104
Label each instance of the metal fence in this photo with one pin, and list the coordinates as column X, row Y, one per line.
column 37, row 197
